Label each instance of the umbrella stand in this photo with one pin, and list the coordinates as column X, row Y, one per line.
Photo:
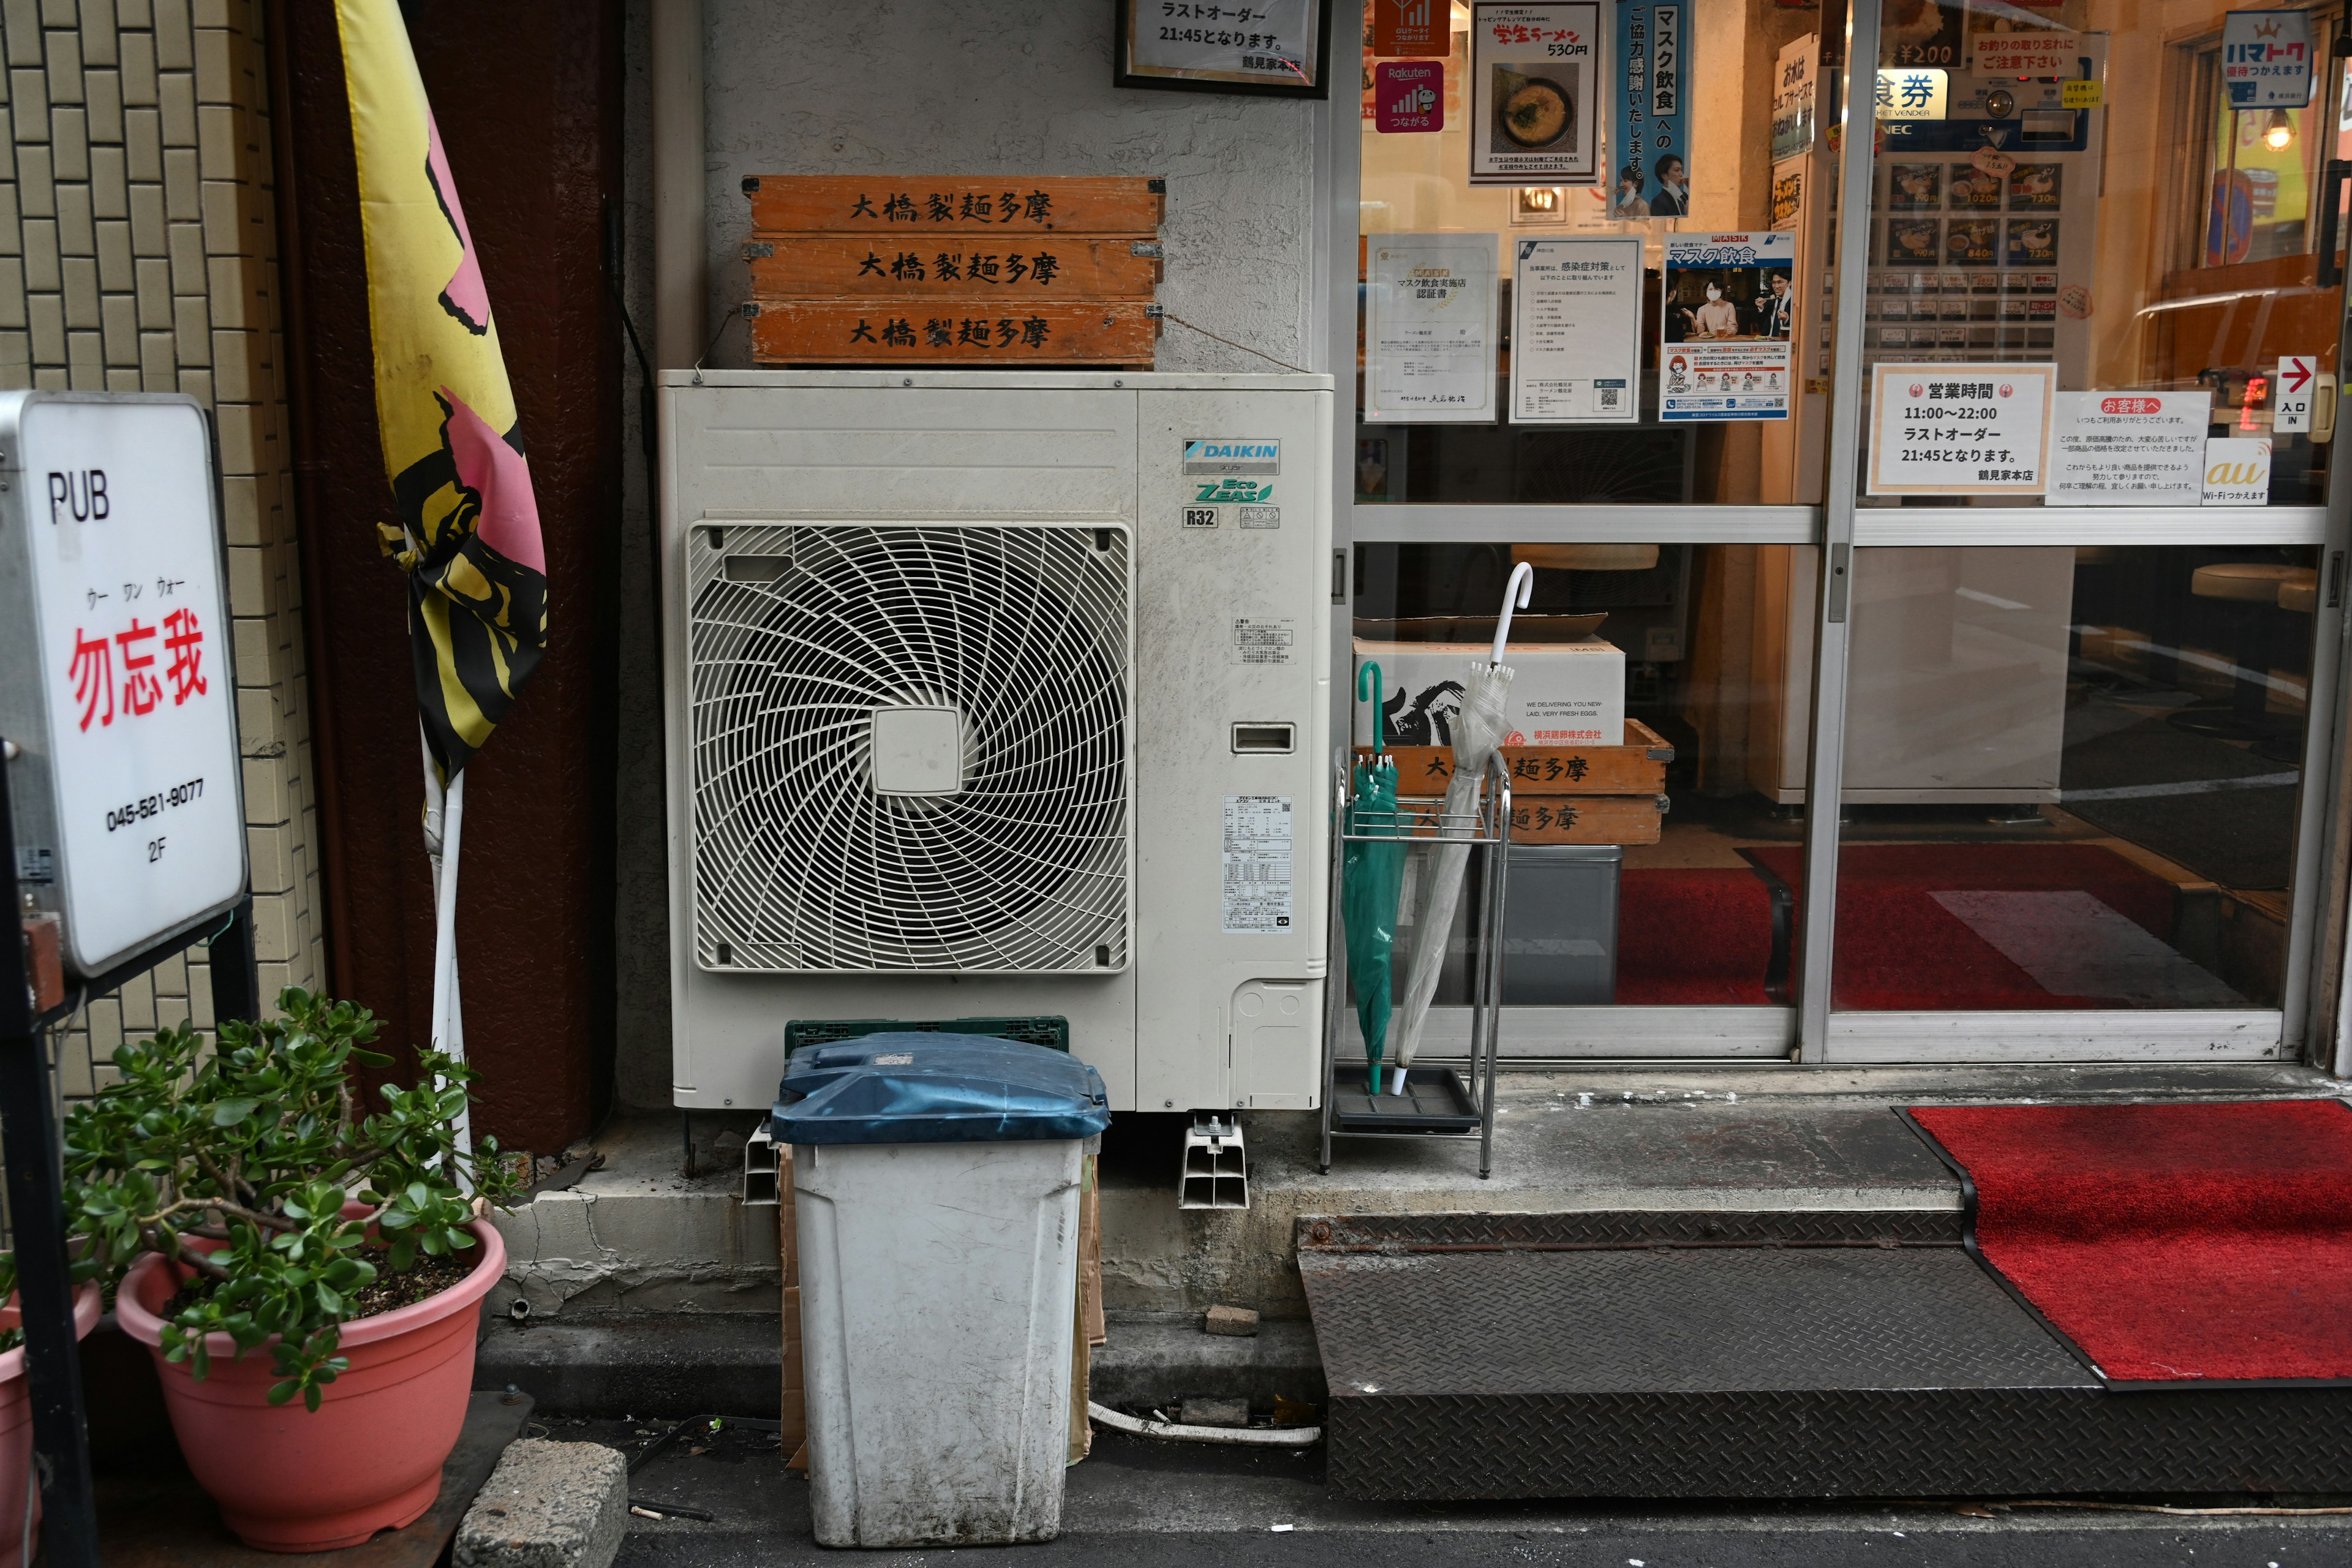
column 1443, row 1103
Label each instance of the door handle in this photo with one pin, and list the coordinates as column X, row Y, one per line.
column 2331, row 197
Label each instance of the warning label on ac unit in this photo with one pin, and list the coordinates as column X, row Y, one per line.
column 1257, row 863
column 1261, row 639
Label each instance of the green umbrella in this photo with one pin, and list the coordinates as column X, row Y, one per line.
column 1372, row 878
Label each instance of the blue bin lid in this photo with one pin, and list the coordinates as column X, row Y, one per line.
column 910, row 1087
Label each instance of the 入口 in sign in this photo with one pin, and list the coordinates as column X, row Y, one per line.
column 2292, row 394
column 114, row 669
column 1959, row 429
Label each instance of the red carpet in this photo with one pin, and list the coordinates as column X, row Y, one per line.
column 2170, row 1242
column 1697, row 938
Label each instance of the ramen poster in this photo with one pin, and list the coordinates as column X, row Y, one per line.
column 1536, row 71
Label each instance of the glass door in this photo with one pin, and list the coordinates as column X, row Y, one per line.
column 1591, row 345
column 2095, row 576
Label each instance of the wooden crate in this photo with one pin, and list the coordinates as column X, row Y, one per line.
column 1636, row 768
column 1587, row 818
column 912, row 268
column 949, row 332
column 915, row 204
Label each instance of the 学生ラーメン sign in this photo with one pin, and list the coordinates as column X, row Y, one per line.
column 1535, row 75
column 1961, row 429
column 115, row 686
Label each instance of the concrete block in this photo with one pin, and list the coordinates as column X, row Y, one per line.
column 15, row 360
column 86, row 361
column 143, row 142
column 64, row 56
column 150, row 231
column 185, row 244
column 102, row 96
column 45, row 314
column 122, row 378
column 12, row 293
column 81, row 290
column 42, row 274
column 159, row 367
column 174, row 42
column 28, row 99
column 548, row 1505
column 217, row 139
column 98, row 34
column 118, row 315
column 1233, row 1322
column 70, row 141
column 22, row 31
column 77, row 225
column 115, row 273
column 183, row 191
column 133, row 15
column 137, row 68
column 11, row 237
column 35, row 186
column 192, row 322
column 110, row 183
column 175, row 95
column 1216, row 1411
column 151, row 283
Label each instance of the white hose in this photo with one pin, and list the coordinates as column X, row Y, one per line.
column 1263, row 1437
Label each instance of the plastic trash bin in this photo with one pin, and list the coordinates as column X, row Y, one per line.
column 936, row 1183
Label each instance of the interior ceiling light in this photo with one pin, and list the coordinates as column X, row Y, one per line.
column 2278, row 132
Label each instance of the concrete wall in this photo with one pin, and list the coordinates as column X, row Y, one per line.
column 138, row 253
column 948, row 86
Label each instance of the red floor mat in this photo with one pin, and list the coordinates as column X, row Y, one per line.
column 2169, row 1242
column 1900, row 950
column 1693, row 938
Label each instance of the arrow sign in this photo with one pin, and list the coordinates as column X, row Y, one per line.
column 2290, row 401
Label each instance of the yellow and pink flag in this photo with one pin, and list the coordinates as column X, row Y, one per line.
column 467, row 534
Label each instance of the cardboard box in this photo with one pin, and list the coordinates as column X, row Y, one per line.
column 1562, row 694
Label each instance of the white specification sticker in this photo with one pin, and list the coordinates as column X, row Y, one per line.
column 1262, row 640
column 1260, row 516
column 1257, row 863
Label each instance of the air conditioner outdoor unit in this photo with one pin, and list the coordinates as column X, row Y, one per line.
column 1001, row 695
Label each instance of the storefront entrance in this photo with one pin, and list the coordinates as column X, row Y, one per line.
column 2058, row 670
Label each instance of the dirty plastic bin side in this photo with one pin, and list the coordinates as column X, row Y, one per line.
column 937, row 1291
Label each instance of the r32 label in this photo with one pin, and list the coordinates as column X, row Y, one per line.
column 1200, row 517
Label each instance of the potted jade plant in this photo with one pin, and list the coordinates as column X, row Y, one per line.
column 306, row 1270
column 18, row 1498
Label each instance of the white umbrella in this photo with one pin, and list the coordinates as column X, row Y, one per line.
column 1476, row 732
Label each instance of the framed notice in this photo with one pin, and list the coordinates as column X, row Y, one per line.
column 1576, row 330
column 1961, row 429
column 1429, row 329
column 1535, row 103
column 2128, row 448
column 1277, row 46
column 1726, row 327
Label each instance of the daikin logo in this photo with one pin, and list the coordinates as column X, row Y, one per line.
column 1229, row 454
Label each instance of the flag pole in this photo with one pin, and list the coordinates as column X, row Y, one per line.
column 445, row 823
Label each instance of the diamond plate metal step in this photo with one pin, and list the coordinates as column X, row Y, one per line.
column 1529, row 1356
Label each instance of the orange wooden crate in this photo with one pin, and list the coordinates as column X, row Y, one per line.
column 1588, row 818
column 1637, row 767
column 912, row 267
column 952, row 331
column 915, row 204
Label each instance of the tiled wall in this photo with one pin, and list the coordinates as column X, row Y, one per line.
column 138, row 253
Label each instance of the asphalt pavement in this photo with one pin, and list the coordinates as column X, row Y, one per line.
column 1148, row 1504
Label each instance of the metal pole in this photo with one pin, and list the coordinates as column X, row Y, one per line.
column 236, row 986
column 44, row 1284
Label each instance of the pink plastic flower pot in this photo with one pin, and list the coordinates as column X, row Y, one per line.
column 16, row 1426
column 369, row 1458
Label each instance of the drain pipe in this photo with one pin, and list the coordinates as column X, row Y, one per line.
column 1256, row 1436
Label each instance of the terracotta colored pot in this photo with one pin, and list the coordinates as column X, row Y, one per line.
column 16, row 1426
column 369, row 1458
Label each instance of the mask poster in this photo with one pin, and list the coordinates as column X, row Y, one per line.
column 1728, row 326
column 1649, row 143
column 1536, row 76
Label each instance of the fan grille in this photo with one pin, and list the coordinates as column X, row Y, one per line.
column 797, row 635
